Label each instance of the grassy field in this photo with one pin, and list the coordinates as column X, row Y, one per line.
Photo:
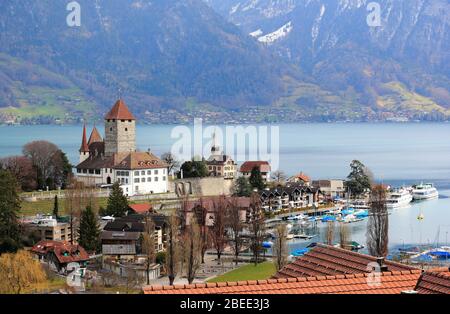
column 248, row 272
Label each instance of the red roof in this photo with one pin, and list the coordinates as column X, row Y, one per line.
column 248, row 166
column 325, row 260
column 434, row 282
column 95, row 137
column 120, row 111
column 390, row 283
column 141, row 208
column 303, row 176
column 64, row 251
column 84, row 146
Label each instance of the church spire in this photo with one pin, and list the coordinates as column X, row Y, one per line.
column 84, row 145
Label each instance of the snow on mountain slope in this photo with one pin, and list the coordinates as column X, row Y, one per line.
column 276, row 35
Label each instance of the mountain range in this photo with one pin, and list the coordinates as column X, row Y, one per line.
column 226, row 60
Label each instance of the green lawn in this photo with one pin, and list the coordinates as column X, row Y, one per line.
column 248, row 272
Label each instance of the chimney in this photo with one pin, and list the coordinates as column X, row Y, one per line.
column 383, row 267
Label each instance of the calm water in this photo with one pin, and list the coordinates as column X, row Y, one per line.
column 396, row 153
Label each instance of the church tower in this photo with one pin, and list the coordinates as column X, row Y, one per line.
column 84, row 149
column 120, row 130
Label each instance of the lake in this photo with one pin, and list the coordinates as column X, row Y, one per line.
column 397, row 153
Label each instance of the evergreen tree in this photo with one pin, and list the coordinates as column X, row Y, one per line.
column 256, row 179
column 56, row 207
column 117, row 202
column 195, row 169
column 89, row 230
column 358, row 181
column 9, row 210
column 242, row 187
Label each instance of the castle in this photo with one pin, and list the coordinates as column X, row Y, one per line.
column 115, row 159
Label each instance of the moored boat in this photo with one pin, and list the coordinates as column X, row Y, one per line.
column 425, row 192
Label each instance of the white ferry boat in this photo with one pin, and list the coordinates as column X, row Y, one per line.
column 399, row 198
column 425, row 192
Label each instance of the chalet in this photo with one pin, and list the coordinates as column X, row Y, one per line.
column 262, row 166
column 288, row 197
column 61, row 256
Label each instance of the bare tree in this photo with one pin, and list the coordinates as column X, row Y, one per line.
column 235, row 225
column 171, row 161
column 41, row 154
column 172, row 250
column 76, row 200
column 378, row 225
column 192, row 249
column 256, row 224
column 280, row 251
column 201, row 216
column 330, row 232
column 148, row 245
column 22, row 169
column 343, row 235
column 218, row 231
column 279, row 176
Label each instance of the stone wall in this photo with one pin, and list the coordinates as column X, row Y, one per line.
column 120, row 136
column 210, row 186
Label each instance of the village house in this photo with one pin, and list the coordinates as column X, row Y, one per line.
column 301, row 178
column 262, row 166
column 115, row 158
column 290, row 196
column 121, row 239
column 332, row 189
column 48, row 228
column 220, row 165
column 61, row 256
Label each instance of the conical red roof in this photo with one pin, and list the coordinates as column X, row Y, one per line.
column 95, row 137
column 84, row 145
column 120, row 111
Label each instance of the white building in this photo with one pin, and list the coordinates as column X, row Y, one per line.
column 115, row 159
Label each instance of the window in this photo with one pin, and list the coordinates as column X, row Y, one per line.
column 110, row 129
column 91, row 171
column 143, row 180
column 156, row 172
column 142, row 173
column 78, row 170
column 164, row 178
column 136, row 180
column 137, row 188
column 126, row 181
column 149, row 172
column 136, row 173
column 126, row 129
column 164, row 171
column 84, row 171
column 127, row 173
column 156, row 179
column 149, row 179
column 97, row 171
column 123, row 120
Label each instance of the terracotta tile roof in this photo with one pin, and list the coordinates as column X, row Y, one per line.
column 248, row 166
column 390, row 283
column 95, row 137
column 123, row 161
column 324, row 260
column 84, row 145
column 64, row 251
column 120, row 111
column 141, row 208
column 137, row 160
column 303, row 177
column 434, row 282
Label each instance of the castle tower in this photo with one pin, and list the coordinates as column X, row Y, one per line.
column 84, row 149
column 120, row 130
column 95, row 137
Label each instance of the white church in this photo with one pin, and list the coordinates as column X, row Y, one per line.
column 115, row 159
